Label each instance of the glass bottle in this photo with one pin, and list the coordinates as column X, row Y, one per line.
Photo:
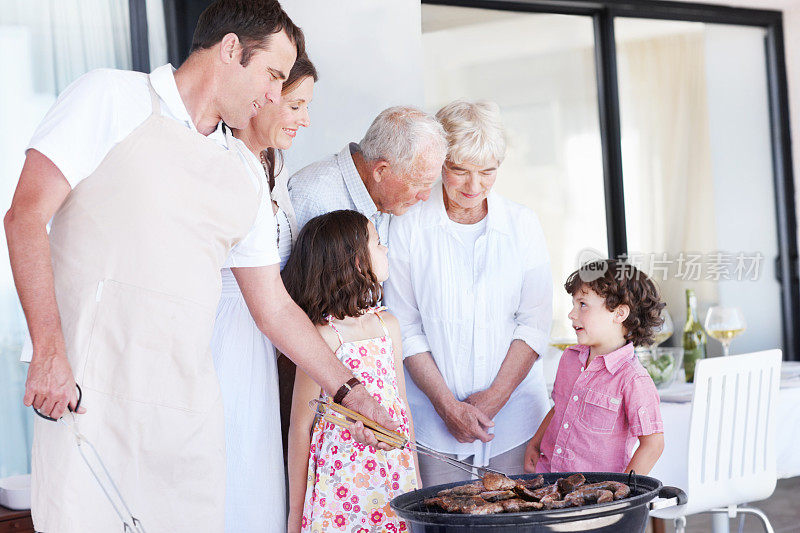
column 694, row 337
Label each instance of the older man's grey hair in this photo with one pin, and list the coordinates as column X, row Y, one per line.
column 475, row 132
column 400, row 134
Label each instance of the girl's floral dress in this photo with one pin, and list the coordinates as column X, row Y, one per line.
column 350, row 485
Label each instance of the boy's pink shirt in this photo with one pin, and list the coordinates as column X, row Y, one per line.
column 600, row 412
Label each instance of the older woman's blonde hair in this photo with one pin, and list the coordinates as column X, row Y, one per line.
column 475, row 132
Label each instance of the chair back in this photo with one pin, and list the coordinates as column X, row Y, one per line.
column 732, row 430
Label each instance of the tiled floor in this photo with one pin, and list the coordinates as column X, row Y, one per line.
column 782, row 509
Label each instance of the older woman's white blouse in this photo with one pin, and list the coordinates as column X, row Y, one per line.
column 466, row 303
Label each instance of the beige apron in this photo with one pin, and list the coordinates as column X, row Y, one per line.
column 137, row 249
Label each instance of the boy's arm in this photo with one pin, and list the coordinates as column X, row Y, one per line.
column 641, row 402
column 533, row 449
column 397, row 345
column 646, row 455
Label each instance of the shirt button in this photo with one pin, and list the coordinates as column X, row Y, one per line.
column 575, row 398
column 558, row 450
column 566, row 426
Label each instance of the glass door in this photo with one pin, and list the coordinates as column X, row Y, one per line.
column 697, row 168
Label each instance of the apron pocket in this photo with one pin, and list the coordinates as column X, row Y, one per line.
column 151, row 347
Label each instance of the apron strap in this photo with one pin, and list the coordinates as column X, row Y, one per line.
column 154, row 99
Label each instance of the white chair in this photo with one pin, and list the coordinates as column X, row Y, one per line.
column 731, row 437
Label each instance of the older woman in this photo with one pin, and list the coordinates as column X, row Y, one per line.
column 470, row 283
column 243, row 357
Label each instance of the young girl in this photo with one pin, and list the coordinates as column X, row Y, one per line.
column 334, row 275
column 604, row 399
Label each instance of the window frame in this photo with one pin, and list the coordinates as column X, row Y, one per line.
column 140, row 44
column 603, row 14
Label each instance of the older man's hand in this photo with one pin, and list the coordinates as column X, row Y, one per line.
column 360, row 401
column 466, row 422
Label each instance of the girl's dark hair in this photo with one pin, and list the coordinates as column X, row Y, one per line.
column 329, row 271
column 253, row 22
column 620, row 283
column 302, row 68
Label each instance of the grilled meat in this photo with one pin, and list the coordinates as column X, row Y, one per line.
column 494, row 481
column 565, row 486
column 516, row 505
column 497, row 494
column 471, row 489
column 586, row 496
column 620, row 490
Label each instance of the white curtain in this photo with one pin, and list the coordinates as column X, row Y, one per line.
column 669, row 195
column 44, row 46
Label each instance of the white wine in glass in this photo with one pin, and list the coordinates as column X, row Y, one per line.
column 723, row 324
column 665, row 331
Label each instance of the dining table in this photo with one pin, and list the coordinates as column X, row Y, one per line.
column 676, row 408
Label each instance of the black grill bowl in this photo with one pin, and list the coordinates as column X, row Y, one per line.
column 623, row 516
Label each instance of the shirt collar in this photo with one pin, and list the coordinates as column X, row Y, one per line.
column 613, row 361
column 163, row 81
column 352, row 179
column 497, row 218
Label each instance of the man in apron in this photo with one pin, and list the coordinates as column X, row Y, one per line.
column 149, row 197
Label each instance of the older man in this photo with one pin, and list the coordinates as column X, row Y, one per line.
column 393, row 167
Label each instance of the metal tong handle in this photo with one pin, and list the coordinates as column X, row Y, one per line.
column 477, row 471
column 71, row 410
column 130, row 524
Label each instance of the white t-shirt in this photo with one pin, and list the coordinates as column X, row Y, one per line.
column 104, row 106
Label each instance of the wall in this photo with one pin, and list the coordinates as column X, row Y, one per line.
column 369, row 57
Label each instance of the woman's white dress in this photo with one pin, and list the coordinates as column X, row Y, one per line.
column 255, row 499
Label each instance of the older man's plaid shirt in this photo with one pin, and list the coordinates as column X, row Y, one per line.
column 333, row 183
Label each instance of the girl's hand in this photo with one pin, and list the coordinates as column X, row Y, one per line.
column 532, row 453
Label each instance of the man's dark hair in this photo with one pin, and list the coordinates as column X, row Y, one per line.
column 253, row 21
column 330, row 271
column 620, row 283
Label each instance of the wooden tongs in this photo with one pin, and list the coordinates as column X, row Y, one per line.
column 329, row 411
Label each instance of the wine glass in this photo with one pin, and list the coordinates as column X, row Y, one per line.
column 664, row 332
column 724, row 323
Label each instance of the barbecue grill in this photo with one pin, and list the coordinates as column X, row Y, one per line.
column 622, row 516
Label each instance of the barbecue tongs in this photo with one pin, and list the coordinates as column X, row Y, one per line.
column 326, row 409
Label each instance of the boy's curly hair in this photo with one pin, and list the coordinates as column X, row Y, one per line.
column 620, row 283
column 329, row 271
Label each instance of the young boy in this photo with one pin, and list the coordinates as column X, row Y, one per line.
column 604, row 398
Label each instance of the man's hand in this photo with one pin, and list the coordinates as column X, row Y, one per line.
column 532, row 453
column 360, row 401
column 466, row 422
column 487, row 401
column 50, row 387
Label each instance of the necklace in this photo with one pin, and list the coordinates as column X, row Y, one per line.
column 264, row 164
